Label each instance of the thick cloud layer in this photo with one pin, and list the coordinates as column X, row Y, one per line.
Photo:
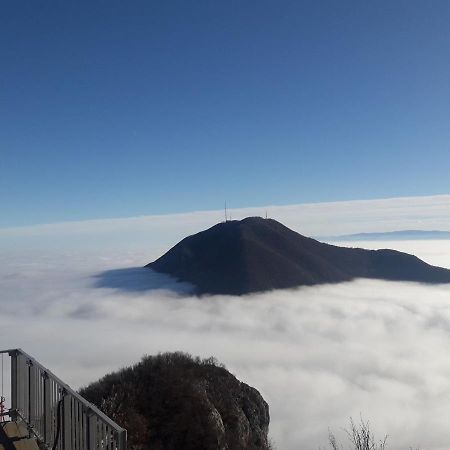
column 73, row 296
column 318, row 355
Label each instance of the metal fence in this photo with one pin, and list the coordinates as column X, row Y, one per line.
column 58, row 416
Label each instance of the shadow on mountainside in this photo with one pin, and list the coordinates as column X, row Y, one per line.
column 140, row 279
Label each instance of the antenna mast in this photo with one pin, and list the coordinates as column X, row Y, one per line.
column 226, row 216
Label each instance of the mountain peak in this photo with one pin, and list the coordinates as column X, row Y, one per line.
column 256, row 254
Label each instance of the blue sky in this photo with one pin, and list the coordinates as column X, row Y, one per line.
column 114, row 109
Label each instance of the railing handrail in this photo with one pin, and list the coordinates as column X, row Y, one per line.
column 41, row 403
column 68, row 389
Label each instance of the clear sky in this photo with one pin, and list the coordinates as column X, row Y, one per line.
column 120, row 108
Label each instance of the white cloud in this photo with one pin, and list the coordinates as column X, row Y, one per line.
column 318, row 355
column 315, row 219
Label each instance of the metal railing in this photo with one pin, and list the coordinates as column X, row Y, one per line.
column 57, row 415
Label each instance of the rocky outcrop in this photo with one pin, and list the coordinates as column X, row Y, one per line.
column 175, row 402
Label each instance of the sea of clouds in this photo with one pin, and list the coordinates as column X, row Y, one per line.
column 76, row 298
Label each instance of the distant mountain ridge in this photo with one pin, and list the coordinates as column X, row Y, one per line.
column 392, row 236
column 257, row 255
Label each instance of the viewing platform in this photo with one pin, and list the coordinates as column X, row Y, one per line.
column 45, row 413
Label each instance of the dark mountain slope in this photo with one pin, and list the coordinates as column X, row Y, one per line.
column 255, row 254
column 175, row 402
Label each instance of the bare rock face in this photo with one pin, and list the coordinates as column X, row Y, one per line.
column 175, row 402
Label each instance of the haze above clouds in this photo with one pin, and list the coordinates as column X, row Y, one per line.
column 318, row 355
column 156, row 233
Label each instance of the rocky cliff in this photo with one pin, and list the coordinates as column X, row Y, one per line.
column 175, row 402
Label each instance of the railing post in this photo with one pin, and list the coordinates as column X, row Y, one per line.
column 14, row 382
column 67, row 422
column 31, row 394
column 47, row 408
column 92, row 431
column 122, row 440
